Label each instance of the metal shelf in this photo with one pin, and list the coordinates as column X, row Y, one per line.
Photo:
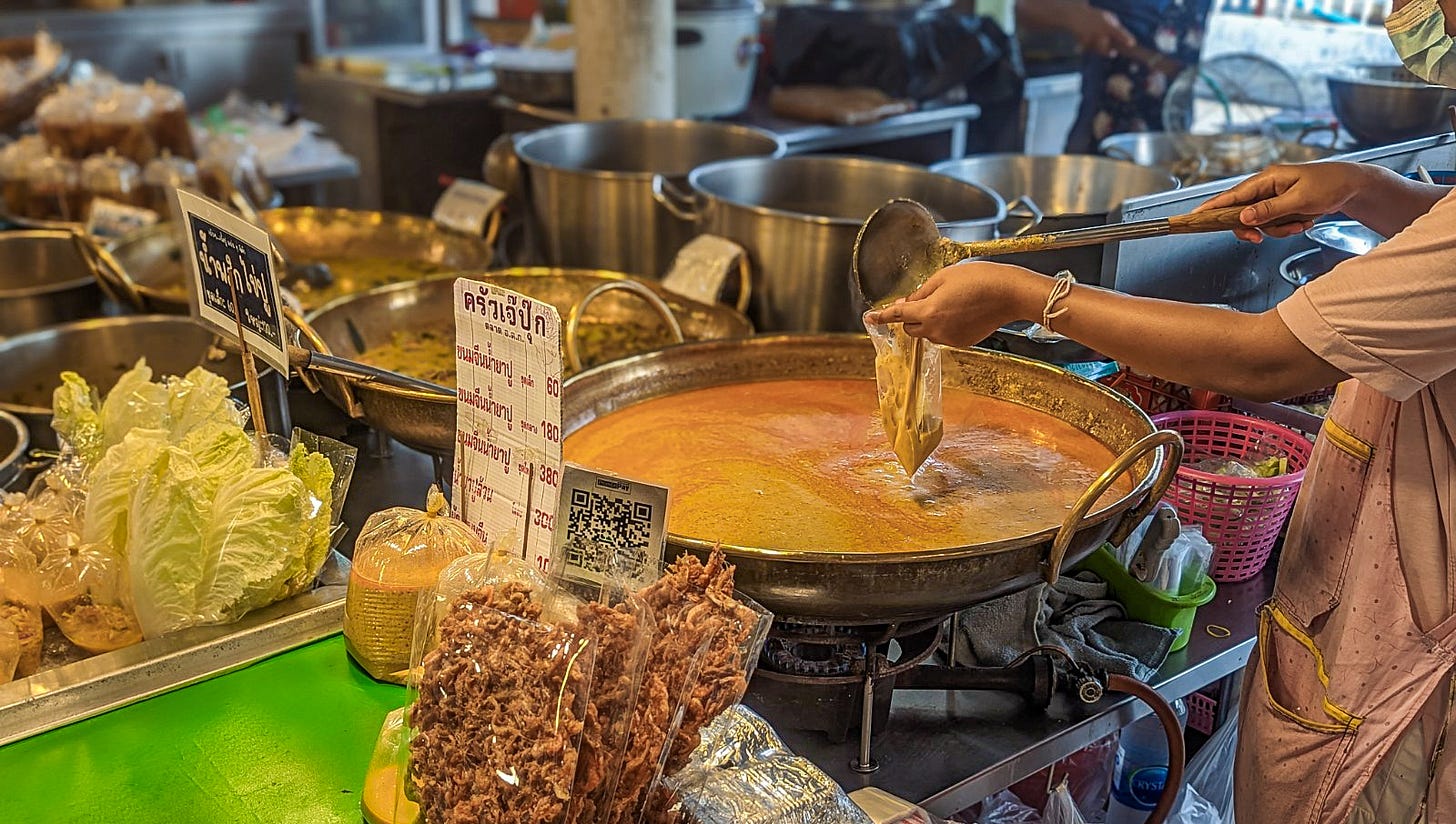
column 947, row 751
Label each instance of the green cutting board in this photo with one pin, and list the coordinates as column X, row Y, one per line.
column 285, row 740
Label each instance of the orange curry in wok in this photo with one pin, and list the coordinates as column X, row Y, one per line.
column 804, row 465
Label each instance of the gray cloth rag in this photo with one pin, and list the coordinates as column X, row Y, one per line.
column 1075, row 614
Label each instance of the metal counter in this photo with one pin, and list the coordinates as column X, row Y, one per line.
column 946, row 751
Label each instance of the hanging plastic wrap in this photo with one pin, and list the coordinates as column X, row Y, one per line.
column 908, row 382
column 86, row 597
column 398, row 555
column 20, row 605
column 1060, row 808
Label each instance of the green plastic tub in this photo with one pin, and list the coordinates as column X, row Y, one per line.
column 1143, row 603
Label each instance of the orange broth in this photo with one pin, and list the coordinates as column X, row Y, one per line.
column 804, row 465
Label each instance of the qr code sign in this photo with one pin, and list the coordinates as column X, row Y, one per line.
column 607, row 534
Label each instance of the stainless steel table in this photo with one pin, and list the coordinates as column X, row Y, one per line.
column 946, row 751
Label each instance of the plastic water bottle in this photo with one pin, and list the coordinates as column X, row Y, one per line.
column 1141, row 769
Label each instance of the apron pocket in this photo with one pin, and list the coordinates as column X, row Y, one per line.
column 1299, row 738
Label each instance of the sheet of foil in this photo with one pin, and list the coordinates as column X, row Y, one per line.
column 741, row 773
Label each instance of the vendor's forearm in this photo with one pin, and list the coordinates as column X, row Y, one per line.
column 1392, row 201
column 1248, row 356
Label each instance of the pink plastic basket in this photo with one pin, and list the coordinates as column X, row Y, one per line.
column 1241, row 517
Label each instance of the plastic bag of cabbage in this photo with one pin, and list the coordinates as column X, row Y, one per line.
column 208, row 522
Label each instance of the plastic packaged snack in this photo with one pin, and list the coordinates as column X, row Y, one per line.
column 170, row 129
column 113, row 177
column 15, row 161
column 53, row 190
column 398, row 556
column 498, row 717
column 9, row 650
column 908, row 381
column 161, row 176
column 20, row 605
column 384, row 799
column 82, row 591
column 120, row 121
column 64, row 119
column 39, row 525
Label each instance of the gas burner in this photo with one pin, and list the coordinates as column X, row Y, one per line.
column 836, row 679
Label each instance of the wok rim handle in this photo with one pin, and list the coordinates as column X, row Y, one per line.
column 1162, row 438
column 573, row 318
column 316, row 341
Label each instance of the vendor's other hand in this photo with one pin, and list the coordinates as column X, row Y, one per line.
column 1097, row 31
column 1281, row 199
column 960, row 305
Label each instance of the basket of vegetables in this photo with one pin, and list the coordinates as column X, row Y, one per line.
column 1238, row 481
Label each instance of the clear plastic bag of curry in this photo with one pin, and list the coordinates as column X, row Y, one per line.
column 9, row 650
column 707, row 644
column 499, row 695
column 908, row 384
column 47, row 518
column 398, row 556
column 20, row 605
column 85, row 595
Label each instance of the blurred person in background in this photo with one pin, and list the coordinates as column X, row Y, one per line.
column 1131, row 51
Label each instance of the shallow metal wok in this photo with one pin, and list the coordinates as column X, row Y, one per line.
column 100, row 350
column 872, row 588
column 152, row 261
column 426, row 420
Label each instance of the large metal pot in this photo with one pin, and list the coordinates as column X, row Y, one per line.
column 100, row 350
column 591, row 186
column 426, row 420
column 1072, row 191
column 159, row 275
column 44, row 280
column 855, row 588
column 1380, row 105
column 798, row 217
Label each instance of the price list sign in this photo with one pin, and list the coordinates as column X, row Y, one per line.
column 507, row 418
column 232, row 268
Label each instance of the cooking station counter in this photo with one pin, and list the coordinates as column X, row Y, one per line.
column 946, row 751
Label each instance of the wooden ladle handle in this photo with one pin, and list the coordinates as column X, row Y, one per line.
column 1221, row 220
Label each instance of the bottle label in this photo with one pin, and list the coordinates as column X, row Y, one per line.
column 1140, row 787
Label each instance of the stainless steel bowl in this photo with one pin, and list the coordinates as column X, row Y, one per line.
column 1380, row 105
column 100, row 350
column 14, row 445
column 44, row 280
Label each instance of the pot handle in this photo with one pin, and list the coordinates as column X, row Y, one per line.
column 1332, row 128
column 1031, row 212
column 316, row 342
column 108, row 271
column 1118, row 153
column 573, row 318
column 681, row 205
column 1172, row 457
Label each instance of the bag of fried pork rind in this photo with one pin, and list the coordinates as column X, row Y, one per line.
column 909, row 389
column 499, row 688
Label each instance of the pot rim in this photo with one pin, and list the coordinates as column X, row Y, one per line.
column 42, row 289
column 526, row 139
column 7, row 345
column 824, row 220
column 946, row 167
column 22, row 443
column 1098, row 516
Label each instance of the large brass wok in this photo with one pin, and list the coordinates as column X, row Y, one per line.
column 426, row 420
column 859, row 588
column 151, row 260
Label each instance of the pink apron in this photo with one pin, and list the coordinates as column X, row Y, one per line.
column 1341, row 668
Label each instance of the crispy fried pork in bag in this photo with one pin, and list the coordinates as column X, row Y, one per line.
column 908, row 382
column 499, row 697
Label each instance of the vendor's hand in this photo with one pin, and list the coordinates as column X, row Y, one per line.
column 1279, row 193
column 1097, row 31
column 960, row 305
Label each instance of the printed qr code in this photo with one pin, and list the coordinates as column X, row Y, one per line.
column 607, row 534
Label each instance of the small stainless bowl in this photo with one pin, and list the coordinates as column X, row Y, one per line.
column 1341, row 240
column 14, row 444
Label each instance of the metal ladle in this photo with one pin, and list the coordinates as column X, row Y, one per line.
column 899, row 247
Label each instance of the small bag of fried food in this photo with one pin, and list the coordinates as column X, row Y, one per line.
column 908, row 382
column 86, row 597
column 20, row 605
